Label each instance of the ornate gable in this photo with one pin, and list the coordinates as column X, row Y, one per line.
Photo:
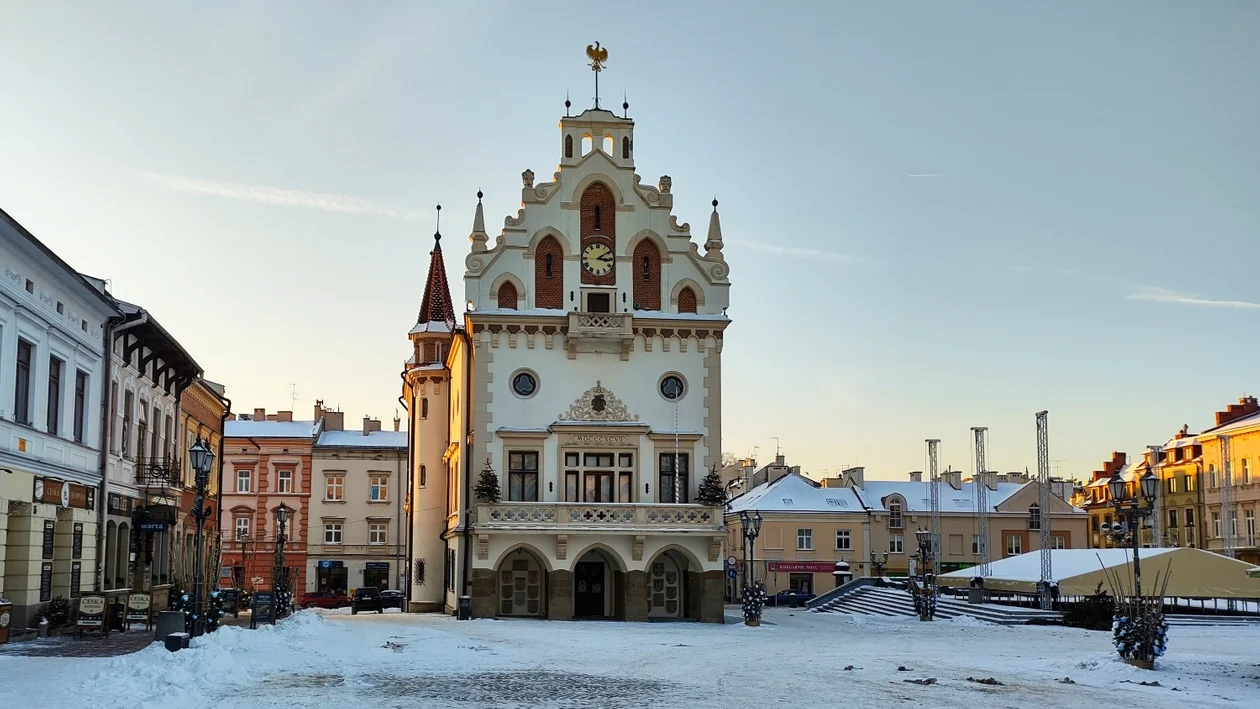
column 598, row 404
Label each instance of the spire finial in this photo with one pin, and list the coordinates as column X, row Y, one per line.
column 479, row 237
column 567, row 103
column 713, row 245
column 599, row 57
column 479, row 194
column 625, row 105
column 715, row 203
column 437, row 229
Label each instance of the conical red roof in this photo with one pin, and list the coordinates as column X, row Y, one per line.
column 436, row 307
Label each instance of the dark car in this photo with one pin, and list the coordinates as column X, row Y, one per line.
column 325, row 599
column 367, row 598
column 392, row 599
column 792, row 598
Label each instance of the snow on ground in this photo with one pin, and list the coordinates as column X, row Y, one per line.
column 333, row 659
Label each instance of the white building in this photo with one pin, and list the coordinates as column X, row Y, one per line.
column 53, row 328
column 585, row 372
column 357, row 526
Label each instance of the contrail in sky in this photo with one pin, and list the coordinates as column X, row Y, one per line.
column 277, row 196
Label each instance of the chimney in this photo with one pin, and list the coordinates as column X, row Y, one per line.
column 778, row 460
column 319, row 409
column 260, row 414
column 334, row 421
column 953, row 477
column 990, row 479
column 397, row 422
column 916, row 476
column 284, row 416
column 854, row 477
column 370, row 425
column 271, row 417
column 1245, row 407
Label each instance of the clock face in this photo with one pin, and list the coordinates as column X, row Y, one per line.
column 597, row 259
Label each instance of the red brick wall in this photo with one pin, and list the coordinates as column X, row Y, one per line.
column 647, row 291
column 507, row 295
column 598, row 196
column 430, row 351
column 686, row 301
column 548, row 292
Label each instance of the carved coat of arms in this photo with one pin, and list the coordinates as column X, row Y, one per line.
column 598, row 404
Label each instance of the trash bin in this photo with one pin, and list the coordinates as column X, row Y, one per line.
column 6, row 618
column 465, row 608
column 116, row 611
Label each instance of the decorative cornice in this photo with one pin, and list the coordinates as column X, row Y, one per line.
column 598, row 404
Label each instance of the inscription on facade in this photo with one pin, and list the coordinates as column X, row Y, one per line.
column 601, row 440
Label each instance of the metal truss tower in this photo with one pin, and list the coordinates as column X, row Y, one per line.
column 1227, row 501
column 934, row 480
column 1157, row 513
column 1044, row 506
column 981, row 483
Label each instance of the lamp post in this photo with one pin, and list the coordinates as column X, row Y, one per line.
column 925, row 594
column 751, row 527
column 202, row 458
column 277, row 572
column 1140, row 626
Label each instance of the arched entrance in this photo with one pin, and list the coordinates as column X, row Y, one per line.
column 595, row 580
column 667, row 585
column 522, row 585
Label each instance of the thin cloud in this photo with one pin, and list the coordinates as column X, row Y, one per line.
column 277, row 196
column 795, row 251
column 927, row 174
column 1165, row 295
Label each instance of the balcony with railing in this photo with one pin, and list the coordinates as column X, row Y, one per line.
column 567, row 517
column 158, row 472
column 603, row 333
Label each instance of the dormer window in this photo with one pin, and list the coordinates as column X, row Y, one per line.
column 894, row 514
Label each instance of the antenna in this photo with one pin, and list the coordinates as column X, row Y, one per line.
column 293, row 392
column 777, row 451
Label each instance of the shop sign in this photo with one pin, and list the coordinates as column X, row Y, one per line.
column 91, row 612
column 153, row 526
column 602, row 440
column 138, row 607
column 76, row 543
column 330, row 564
column 45, row 583
column 50, row 535
column 378, row 565
column 814, row 567
column 119, row 505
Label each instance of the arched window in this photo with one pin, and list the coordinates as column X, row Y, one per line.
column 894, row 514
column 548, row 281
column 647, row 287
column 625, row 148
column 568, row 146
column 1034, row 516
column 597, row 217
column 587, row 145
column 686, row 300
column 607, row 145
column 507, row 296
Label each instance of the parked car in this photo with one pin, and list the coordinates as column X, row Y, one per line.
column 367, row 598
column 324, row 599
column 392, row 599
column 792, row 598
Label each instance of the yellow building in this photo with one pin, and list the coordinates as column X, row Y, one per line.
column 1181, row 495
column 1239, row 424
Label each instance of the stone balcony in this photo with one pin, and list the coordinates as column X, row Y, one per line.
column 600, row 333
column 624, row 518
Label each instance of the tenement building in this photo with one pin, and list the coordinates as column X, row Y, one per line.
column 563, row 422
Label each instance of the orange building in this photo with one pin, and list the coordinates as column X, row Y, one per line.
column 266, row 467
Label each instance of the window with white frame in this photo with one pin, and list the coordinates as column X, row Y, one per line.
column 844, row 540
column 1246, row 472
column 284, row 481
column 1058, row 542
column 242, row 527
column 975, row 544
column 332, row 532
column 1216, row 524
column 376, row 532
column 380, row 488
column 1212, row 476
column 894, row 514
column 1250, row 517
column 1014, row 545
column 335, row 488
column 243, row 478
column 894, row 543
column 805, row 539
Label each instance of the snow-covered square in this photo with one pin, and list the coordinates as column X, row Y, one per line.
column 799, row 659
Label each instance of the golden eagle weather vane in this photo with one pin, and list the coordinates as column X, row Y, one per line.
column 599, row 57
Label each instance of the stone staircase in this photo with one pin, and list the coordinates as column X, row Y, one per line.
column 895, row 602
column 1190, row 621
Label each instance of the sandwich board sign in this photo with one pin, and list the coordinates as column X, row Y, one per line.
column 91, row 615
column 139, row 609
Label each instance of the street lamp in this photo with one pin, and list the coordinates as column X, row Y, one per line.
column 277, row 572
column 201, row 458
column 751, row 527
column 1142, row 636
column 924, row 595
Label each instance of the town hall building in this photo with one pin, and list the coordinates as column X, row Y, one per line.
column 585, row 377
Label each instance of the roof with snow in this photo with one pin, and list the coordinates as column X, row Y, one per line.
column 1189, row 572
column 356, row 439
column 793, row 493
column 1243, row 422
column 918, row 495
column 268, row 429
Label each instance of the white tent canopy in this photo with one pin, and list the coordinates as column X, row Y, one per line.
column 1190, row 572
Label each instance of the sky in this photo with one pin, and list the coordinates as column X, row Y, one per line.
column 938, row 215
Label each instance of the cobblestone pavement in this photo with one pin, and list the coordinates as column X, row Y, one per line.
column 88, row 646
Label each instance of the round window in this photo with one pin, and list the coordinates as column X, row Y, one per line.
column 524, row 384
column 672, row 387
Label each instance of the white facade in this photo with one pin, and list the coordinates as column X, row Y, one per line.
column 585, row 317
column 51, row 376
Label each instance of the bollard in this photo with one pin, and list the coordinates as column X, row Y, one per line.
column 168, row 622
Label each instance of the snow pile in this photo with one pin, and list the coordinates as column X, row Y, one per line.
column 156, row 677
